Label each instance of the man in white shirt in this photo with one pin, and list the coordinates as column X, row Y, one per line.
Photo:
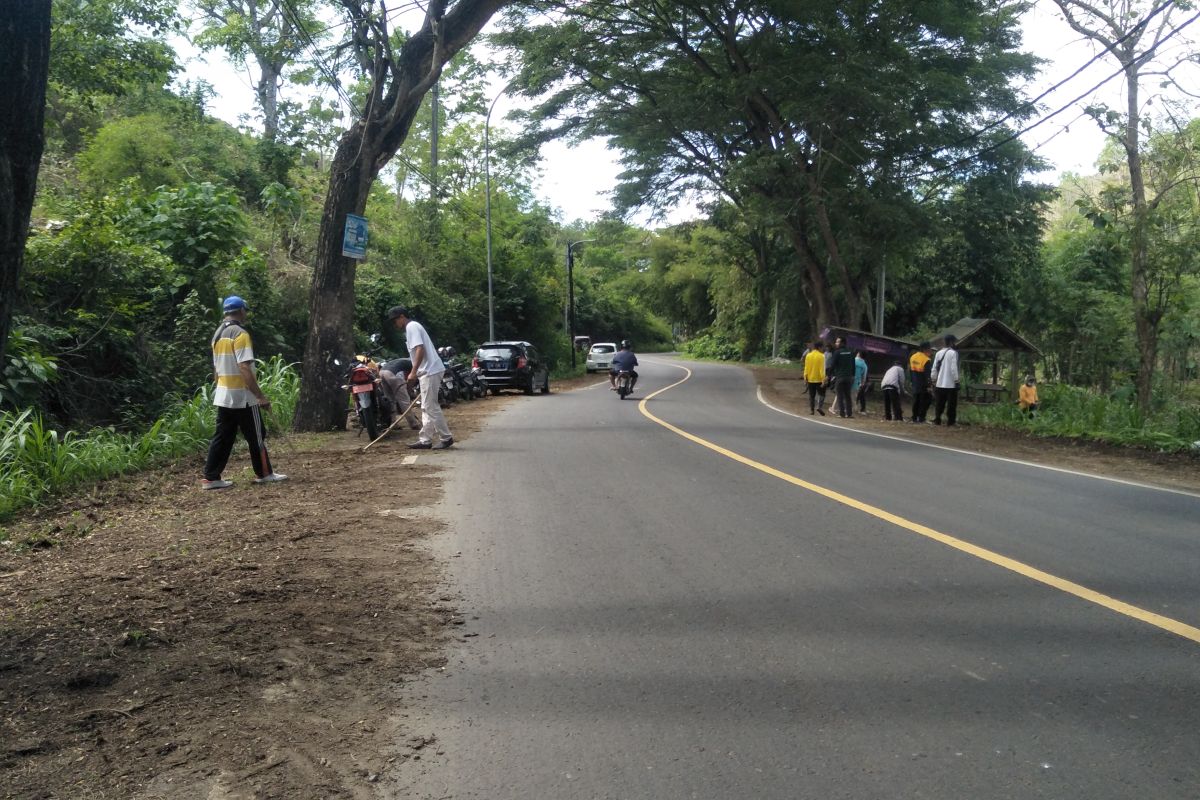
column 945, row 382
column 891, row 384
column 427, row 369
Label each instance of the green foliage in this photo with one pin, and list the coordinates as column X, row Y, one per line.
column 101, row 50
column 199, row 226
column 28, row 372
column 38, row 462
column 1077, row 413
column 712, row 345
column 141, row 148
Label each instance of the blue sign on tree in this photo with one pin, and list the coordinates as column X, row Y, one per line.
column 354, row 241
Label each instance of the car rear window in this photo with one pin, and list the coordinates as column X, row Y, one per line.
column 603, row 348
column 497, row 352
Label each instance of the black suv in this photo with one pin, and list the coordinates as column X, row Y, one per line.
column 512, row 365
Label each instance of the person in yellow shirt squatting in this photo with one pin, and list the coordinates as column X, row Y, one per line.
column 1028, row 399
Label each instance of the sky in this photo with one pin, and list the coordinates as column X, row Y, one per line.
column 576, row 180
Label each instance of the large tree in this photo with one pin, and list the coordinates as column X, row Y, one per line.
column 397, row 73
column 265, row 31
column 24, row 65
column 802, row 115
column 1135, row 35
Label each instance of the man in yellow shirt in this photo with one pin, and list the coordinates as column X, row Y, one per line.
column 918, row 367
column 814, row 375
column 1028, row 398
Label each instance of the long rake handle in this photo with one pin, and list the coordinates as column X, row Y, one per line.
column 395, row 422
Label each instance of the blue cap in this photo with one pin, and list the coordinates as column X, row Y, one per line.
column 233, row 303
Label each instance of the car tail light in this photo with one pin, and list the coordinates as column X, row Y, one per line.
column 474, row 363
column 521, row 362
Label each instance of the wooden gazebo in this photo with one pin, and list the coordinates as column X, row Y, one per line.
column 982, row 345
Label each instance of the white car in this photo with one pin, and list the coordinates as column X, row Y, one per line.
column 599, row 358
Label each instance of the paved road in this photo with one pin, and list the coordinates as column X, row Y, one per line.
column 658, row 619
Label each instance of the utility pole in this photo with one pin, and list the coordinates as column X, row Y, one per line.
column 879, row 299
column 571, row 295
column 775, row 332
column 487, row 175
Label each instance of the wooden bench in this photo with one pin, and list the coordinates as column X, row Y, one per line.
column 986, row 393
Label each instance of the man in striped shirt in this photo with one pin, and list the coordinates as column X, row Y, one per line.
column 238, row 399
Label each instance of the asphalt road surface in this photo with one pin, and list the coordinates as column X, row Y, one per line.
column 778, row 607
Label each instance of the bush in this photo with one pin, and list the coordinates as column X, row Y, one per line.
column 712, row 345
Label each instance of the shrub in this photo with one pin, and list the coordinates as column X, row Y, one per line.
column 712, row 345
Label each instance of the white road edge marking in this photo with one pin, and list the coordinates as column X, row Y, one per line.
column 762, row 399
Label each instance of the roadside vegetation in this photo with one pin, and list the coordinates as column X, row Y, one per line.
column 38, row 462
column 149, row 209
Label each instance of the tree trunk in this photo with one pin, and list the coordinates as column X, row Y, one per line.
column 398, row 84
column 815, row 284
column 1145, row 323
column 322, row 402
column 24, row 65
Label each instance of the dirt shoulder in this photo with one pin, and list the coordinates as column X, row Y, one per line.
column 158, row 641
column 785, row 388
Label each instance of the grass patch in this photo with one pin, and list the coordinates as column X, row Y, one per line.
column 37, row 462
column 1074, row 413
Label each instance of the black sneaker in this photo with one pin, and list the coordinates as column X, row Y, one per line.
column 821, row 411
column 445, row 444
column 421, row 446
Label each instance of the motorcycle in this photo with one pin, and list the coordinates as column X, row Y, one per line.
column 466, row 380
column 624, row 383
column 371, row 402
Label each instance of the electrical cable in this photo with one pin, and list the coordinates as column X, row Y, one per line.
column 1017, row 134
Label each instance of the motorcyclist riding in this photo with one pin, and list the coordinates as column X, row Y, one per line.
column 623, row 360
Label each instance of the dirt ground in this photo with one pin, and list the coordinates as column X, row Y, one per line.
column 157, row 641
column 785, row 388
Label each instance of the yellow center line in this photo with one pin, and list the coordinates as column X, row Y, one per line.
column 1033, row 573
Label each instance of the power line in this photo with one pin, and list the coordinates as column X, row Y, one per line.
column 996, row 123
column 1013, row 136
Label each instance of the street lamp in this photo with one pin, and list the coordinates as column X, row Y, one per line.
column 571, row 295
column 487, row 204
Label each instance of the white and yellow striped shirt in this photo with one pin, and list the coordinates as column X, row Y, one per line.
column 231, row 346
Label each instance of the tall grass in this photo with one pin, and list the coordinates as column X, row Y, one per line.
column 1072, row 412
column 37, row 462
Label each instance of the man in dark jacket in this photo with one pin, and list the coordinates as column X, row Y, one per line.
column 841, row 370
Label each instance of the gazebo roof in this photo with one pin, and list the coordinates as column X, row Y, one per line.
column 981, row 335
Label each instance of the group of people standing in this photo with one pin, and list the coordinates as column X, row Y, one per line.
column 935, row 379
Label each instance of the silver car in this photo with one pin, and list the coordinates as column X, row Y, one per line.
column 599, row 358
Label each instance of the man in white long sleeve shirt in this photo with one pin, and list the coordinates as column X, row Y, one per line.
column 427, row 369
column 945, row 382
column 892, row 381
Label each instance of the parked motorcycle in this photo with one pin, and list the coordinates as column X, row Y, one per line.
column 371, row 402
column 624, row 383
column 466, row 380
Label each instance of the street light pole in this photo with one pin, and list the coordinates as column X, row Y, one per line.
column 487, row 204
column 571, row 295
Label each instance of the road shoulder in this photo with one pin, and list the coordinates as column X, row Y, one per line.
column 785, row 389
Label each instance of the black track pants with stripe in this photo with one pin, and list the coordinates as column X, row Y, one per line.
column 229, row 421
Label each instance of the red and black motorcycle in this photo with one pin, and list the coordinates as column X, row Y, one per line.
column 371, row 402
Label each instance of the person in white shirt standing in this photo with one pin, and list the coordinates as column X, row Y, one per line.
column 893, row 381
column 945, row 382
column 427, row 369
